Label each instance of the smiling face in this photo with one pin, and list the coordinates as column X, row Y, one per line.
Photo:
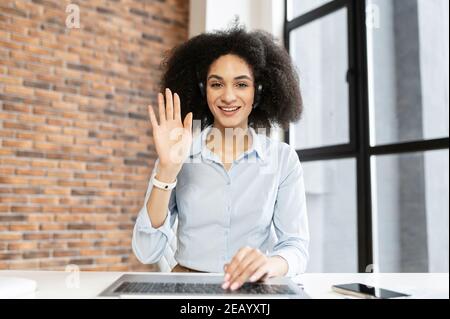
column 230, row 92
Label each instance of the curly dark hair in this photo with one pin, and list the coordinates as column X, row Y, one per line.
column 189, row 63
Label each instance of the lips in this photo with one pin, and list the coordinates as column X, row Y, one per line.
column 229, row 110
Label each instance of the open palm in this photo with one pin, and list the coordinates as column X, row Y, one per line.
column 172, row 137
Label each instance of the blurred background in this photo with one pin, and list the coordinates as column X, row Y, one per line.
column 76, row 149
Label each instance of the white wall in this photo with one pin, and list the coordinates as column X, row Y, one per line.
column 209, row 15
column 197, row 17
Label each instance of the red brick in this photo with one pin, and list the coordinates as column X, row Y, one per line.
column 30, row 136
column 36, row 236
column 18, row 90
column 26, row 245
column 30, row 172
column 12, row 199
column 52, row 245
column 36, row 254
column 10, row 255
column 65, row 253
column 13, row 180
column 24, row 264
column 60, row 174
column 30, row 118
column 44, row 163
column 10, row 236
column 13, row 28
column 57, row 191
column 27, row 191
column 6, row 170
column 72, row 165
column 53, row 264
column 40, row 218
column 10, row 80
column 91, row 252
column 48, row 128
column 52, row 227
column 72, row 182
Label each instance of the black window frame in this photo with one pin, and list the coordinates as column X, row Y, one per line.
column 359, row 147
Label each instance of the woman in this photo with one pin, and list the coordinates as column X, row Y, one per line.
column 229, row 186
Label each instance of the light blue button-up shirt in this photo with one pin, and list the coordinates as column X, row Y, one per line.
column 259, row 202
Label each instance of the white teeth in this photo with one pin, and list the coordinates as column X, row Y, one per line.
column 229, row 109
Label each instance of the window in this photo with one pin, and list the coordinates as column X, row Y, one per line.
column 331, row 199
column 374, row 136
column 408, row 70
column 296, row 8
column 411, row 211
column 323, row 58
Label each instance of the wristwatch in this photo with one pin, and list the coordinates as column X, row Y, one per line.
column 162, row 185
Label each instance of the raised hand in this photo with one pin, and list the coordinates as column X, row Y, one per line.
column 172, row 137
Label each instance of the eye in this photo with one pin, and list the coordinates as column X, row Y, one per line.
column 242, row 85
column 215, row 85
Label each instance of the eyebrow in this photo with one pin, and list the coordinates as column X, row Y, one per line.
column 241, row 77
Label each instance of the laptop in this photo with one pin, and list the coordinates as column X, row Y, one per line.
column 201, row 286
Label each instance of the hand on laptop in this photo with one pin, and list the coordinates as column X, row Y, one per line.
column 251, row 264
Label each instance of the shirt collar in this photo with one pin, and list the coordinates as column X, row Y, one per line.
column 199, row 144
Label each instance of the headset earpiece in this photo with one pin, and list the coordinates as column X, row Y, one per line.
column 202, row 89
column 258, row 93
column 201, row 85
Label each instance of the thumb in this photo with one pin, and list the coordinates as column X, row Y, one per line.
column 188, row 122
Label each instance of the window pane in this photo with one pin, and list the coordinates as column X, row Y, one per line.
column 411, row 212
column 319, row 50
column 408, row 61
column 331, row 200
column 296, row 8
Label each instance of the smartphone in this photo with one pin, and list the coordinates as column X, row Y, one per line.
column 368, row 292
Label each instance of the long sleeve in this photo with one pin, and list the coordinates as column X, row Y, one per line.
column 290, row 218
column 148, row 242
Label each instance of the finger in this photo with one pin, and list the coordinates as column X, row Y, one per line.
column 188, row 122
column 176, row 107
column 236, row 260
column 235, row 266
column 242, row 266
column 169, row 105
column 246, row 268
column 152, row 117
column 260, row 274
column 226, row 275
column 230, row 267
column 162, row 112
column 247, row 273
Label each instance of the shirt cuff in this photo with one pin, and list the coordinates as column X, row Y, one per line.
column 292, row 259
column 144, row 224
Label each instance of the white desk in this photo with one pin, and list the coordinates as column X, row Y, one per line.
column 59, row 284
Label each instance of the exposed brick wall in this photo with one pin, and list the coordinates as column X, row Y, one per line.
column 75, row 142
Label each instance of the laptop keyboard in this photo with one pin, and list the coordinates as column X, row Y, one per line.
column 128, row 287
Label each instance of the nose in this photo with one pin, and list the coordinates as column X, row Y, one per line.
column 228, row 96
